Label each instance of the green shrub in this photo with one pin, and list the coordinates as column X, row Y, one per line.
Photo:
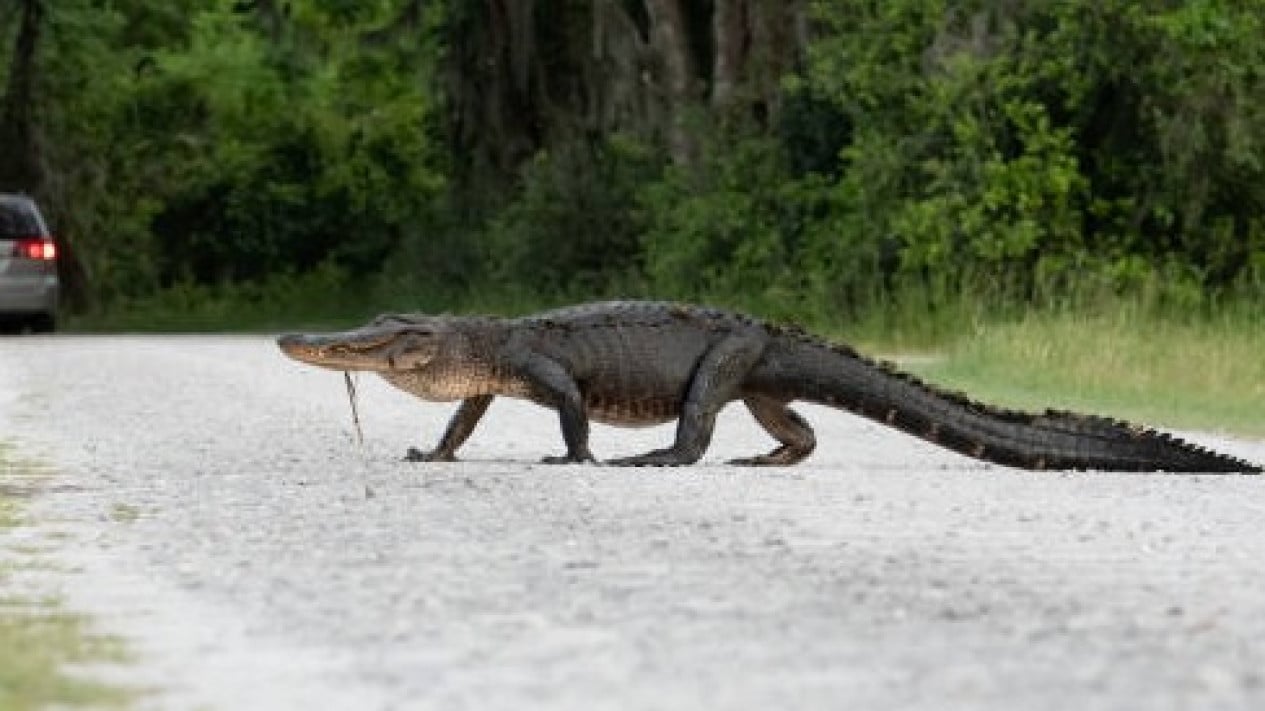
column 572, row 227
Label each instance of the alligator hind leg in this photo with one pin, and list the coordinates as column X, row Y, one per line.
column 786, row 426
column 717, row 381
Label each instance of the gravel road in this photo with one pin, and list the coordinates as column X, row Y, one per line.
column 210, row 505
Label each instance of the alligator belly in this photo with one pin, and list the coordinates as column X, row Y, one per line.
column 632, row 413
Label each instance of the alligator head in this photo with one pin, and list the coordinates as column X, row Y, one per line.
column 389, row 342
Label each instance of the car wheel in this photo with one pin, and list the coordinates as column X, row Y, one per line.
column 44, row 323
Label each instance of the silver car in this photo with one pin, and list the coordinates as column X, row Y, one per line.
column 28, row 266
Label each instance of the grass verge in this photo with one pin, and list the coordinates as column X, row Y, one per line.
column 1203, row 374
column 38, row 639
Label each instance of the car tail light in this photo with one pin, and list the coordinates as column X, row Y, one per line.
column 36, row 248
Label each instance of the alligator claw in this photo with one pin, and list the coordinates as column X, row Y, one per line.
column 632, row 462
column 659, row 458
column 780, row 457
column 569, row 459
column 416, row 455
column 762, row 460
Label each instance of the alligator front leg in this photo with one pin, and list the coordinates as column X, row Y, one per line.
column 786, row 426
column 553, row 386
column 717, row 380
column 458, row 430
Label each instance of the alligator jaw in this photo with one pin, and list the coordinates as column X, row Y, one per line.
column 350, row 350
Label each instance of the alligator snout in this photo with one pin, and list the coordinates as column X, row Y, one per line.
column 351, row 350
column 289, row 340
column 303, row 347
column 293, row 343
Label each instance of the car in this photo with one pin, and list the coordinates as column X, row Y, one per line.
column 29, row 287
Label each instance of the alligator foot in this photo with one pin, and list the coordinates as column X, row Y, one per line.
column 416, row 455
column 585, row 458
column 780, row 457
column 668, row 457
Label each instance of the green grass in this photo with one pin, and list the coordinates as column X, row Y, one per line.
column 124, row 513
column 36, row 643
column 1206, row 374
column 38, row 640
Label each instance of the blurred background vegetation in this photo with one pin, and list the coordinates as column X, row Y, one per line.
column 909, row 168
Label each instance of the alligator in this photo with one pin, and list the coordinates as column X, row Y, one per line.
column 641, row 363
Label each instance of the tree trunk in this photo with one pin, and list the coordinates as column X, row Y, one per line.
column 732, row 40
column 23, row 165
column 616, row 73
column 670, row 37
column 776, row 47
column 23, row 169
column 757, row 42
column 526, row 75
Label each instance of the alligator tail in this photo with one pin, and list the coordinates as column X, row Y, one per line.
column 838, row 376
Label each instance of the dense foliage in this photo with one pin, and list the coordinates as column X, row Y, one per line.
column 805, row 157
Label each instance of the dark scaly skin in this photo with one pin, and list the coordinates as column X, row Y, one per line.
column 635, row 364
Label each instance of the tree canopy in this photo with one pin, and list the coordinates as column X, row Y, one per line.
column 811, row 154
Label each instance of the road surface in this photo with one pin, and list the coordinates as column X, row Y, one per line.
column 210, row 505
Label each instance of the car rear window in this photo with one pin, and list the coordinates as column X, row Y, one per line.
column 18, row 220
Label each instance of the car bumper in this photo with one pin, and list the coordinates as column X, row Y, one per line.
column 34, row 294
